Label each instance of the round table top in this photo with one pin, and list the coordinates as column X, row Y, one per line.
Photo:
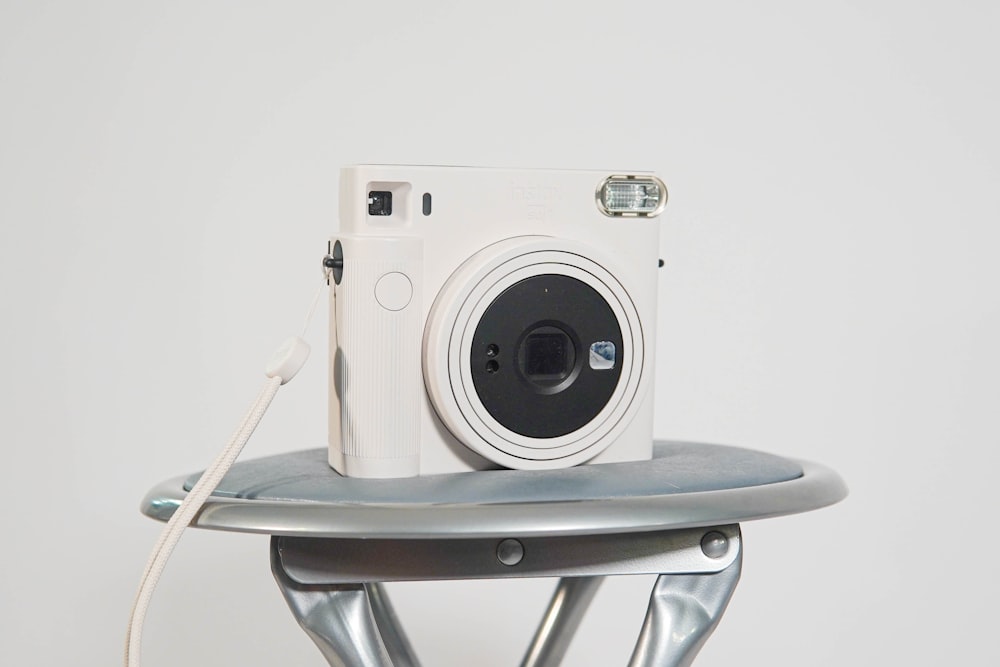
column 685, row 485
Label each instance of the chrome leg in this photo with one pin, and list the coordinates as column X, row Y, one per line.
column 354, row 625
column 566, row 609
column 683, row 611
column 339, row 619
column 396, row 642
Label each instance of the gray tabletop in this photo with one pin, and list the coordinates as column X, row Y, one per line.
column 684, row 485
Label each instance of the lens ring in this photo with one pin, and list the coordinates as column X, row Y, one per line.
column 448, row 339
column 476, row 414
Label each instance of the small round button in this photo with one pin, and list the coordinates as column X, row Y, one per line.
column 393, row 291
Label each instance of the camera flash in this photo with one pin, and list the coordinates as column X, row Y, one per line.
column 631, row 196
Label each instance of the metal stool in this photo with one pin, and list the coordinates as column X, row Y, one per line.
column 335, row 540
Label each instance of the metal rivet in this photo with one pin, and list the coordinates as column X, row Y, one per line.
column 510, row 552
column 715, row 544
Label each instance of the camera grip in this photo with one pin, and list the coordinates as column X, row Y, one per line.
column 375, row 345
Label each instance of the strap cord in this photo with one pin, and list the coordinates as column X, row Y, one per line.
column 285, row 363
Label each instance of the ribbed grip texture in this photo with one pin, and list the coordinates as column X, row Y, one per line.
column 377, row 369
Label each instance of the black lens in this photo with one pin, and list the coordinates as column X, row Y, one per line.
column 531, row 356
column 547, row 356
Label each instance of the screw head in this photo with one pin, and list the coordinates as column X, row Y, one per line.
column 510, row 552
column 714, row 544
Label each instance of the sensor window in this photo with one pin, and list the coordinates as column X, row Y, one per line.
column 602, row 355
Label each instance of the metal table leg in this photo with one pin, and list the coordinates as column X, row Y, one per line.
column 353, row 625
column 684, row 610
column 396, row 642
column 568, row 605
column 333, row 588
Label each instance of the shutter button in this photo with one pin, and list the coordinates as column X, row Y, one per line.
column 393, row 291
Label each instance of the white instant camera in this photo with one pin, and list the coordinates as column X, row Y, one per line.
column 485, row 318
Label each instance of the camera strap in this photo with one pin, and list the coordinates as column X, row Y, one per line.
column 286, row 361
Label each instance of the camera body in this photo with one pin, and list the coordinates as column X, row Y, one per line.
column 485, row 318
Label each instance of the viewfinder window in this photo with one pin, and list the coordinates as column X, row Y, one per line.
column 379, row 202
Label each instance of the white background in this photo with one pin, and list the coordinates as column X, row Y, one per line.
column 168, row 181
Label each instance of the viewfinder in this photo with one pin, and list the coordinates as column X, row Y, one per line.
column 379, row 202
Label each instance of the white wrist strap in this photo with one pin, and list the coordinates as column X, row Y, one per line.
column 285, row 363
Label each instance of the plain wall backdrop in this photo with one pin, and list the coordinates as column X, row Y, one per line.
column 168, row 180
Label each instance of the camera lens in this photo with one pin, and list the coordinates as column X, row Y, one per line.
column 545, row 384
column 548, row 355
